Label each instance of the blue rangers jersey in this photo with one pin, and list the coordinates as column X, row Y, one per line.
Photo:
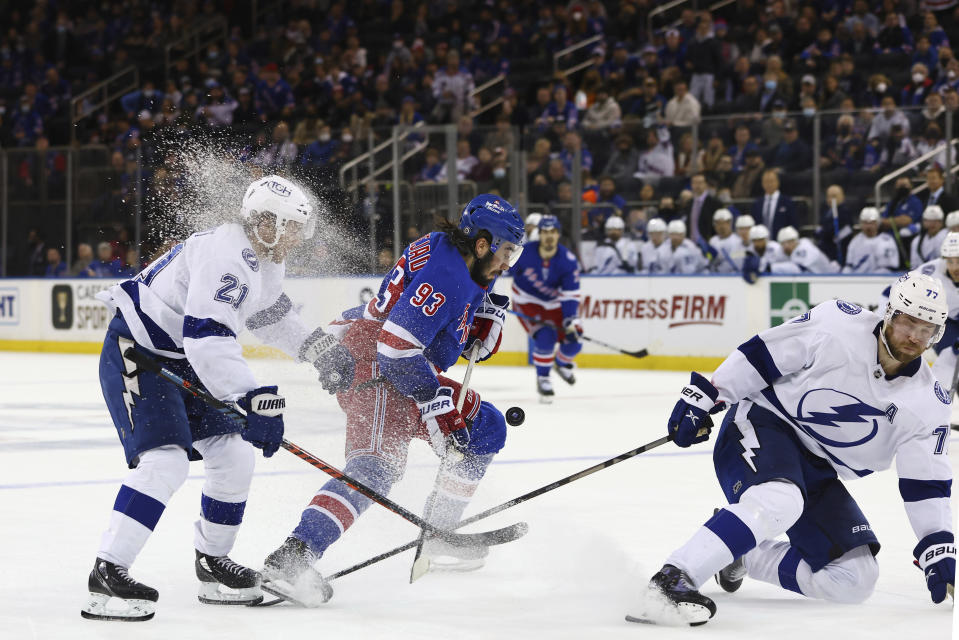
column 193, row 301
column 551, row 284
column 820, row 374
column 426, row 304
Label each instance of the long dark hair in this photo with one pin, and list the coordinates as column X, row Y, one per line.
column 463, row 243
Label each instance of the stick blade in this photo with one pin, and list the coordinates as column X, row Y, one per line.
column 642, row 353
column 421, row 566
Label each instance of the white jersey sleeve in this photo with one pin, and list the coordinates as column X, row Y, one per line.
column 278, row 324
column 925, row 481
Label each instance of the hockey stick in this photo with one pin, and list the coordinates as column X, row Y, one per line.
column 511, row 503
column 835, row 231
column 641, row 353
column 498, row 536
column 421, row 565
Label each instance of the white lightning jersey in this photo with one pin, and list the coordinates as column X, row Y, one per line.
column 687, row 258
column 656, row 259
column 609, row 257
column 925, row 247
column 774, row 253
column 819, row 373
column 937, row 269
column 877, row 254
column 731, row 252
column 194, row 300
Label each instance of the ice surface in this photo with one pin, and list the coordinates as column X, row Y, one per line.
column 592, row 544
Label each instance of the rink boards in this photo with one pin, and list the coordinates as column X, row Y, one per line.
column 685, row 322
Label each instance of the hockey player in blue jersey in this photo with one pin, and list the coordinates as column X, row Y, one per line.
column 185, row 310
column 546, row 292
column 837, row 392
column 430, row 309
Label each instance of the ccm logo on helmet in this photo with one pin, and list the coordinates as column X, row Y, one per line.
column 279, row 189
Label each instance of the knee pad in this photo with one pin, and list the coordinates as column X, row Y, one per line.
column 544, row 340
column 769, row 509
column 228, row 461
column 488, row 433
column 160, row 472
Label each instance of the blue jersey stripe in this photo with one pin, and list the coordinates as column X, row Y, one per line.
column 162, row 263
column 198, row 328
column 916, row 490
column 787, row 570
column 219, row 512
column 732, row 531
column 757, row 354
column 160, row 338
column 139, row 506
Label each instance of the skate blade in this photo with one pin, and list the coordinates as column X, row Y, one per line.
column 546, row 399
column 216, row 593
column 309, row 591
column 643, row 619
column 658, row 610
column 103, row 607
column 441, row 564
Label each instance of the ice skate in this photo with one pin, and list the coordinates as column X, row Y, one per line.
column 444, row 556
column 672, row 600
column 288, row 573
column 114, row 595
column 565, row 372
column 545, row 388
column 730, row 577
column 223, row 581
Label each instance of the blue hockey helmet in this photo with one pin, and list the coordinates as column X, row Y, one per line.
column 550, row 221
column 500, row 219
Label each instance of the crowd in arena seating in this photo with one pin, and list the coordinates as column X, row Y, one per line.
column 707, row 114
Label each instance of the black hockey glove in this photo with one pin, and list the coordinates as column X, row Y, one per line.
column 334, row 363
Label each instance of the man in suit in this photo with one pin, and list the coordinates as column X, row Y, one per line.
column 699, row 212
column 774, row 209
column 936, row 192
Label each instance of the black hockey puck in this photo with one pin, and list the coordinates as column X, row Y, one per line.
column 515, row 416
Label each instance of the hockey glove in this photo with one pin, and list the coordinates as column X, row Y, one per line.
column 333, row 361
column 444, row 423
column 936, row 556
column 487, row 326
column 573, row 328
column 751, row 268
column 689, row 422
column 264, row 419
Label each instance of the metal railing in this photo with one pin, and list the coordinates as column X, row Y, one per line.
column 910, row 166
column 573, row 48
column 663, row 8
column 194, row 41
column 500, row 79
column 97, row 97
column 367, row 155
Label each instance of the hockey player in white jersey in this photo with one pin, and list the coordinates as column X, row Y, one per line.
column 655, row 254
column 615, row 254
column 729, row 246
column 744, row 225
column 185, row 310
column 870, row 251
column 765, row 251
column 945, row 269
column 687, row 258
column 925, row 246
column 838, row 392
column 802, row 255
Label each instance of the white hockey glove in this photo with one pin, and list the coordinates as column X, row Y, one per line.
column 333, row 361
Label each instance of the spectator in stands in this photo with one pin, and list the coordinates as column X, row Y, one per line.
column 615, row 254
column 897, row 150
column 771, row 130
column 502, row 135
column 699, row 213
column 105, row 266
column 453, row 90
column 932, row 140
column 685, row 256
column 647, row 103
column 926, row 245
column 672, row 53
column 55, row 267
column 482, row 172
column 571, row 144
column 774, row 209
column 936, row 190
column 431, row 170
column 862, row 15
column 81, row 263
column 273, row 93
column 936, row 34
column 894, row 36
column 26, row 124
column 280, row 153
column 623, row 161
column 743, row 143
column 621, row 68
column 559, row 112
column 728, row 246
column 685, row 157
column 803, row 256
column 904, row 210
column 818, row 55
column 793, row 153
column 657, row 160
column 608, row 203
column 884, row 120
column 466, row 131
column 710, row 156
column 948, row 79
column 465, row 162
column 703, row 61
column 320, row 152
column 932, row 112
column 683, row 110
column 749, row 99
column 147, row 98
column 925, row 54
column 217, row 110
column 915, row 92
column 772, row 97
column 870, row 251
column 747, row 183
column 604, row 111
column 950, row 98
column 844, row 149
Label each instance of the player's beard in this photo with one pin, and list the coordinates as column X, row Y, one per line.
column 479, row 272
column 897, row 353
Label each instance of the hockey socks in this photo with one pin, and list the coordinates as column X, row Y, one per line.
column 455, row 486
column 335, row 507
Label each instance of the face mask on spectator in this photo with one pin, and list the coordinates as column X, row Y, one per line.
column 347, row 137
column 881, row 87
column 771, row 85
column 951, row 74
column 324, row 137
column 917, row 78
column 809, row 111
column 499, row 172
column 779, row 114
column 148, row 93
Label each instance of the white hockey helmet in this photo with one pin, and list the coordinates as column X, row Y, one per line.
column 656, row 225
column 745, row 221
column 933, row 212
column 920, row 296
column 677, row 227
column 282, row 198
column 786, row 234
column 759, row 232
column 533, row 219
column 614, row 222
column 869, row 214
column 723, row 214
column 950, row 246
column 952, row 219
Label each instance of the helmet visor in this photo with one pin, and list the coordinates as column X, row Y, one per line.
column 507, row 252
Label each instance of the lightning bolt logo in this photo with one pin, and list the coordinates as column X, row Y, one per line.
column 840, row 413
column 749, row 443
column 131, row 382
